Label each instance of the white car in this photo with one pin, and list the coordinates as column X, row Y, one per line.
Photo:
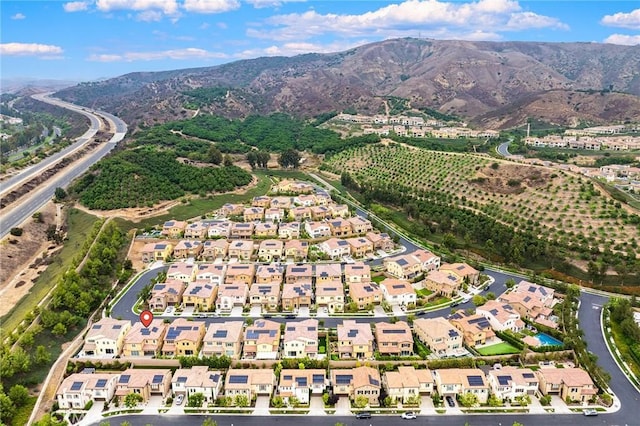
column 409, row 415
column 590, row 412
column 179, row 399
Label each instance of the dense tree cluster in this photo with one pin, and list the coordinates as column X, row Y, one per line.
column 621, row 314
column 145, row 176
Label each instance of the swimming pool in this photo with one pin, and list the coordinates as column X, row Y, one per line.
column 546, row 340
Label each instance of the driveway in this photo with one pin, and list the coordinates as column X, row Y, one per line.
column 236, row 311
column 397, row 310
column 379, row 312
column 303, row 312
column 316, row 406
column 343, row 406
column 256, row 311
column 262, row 406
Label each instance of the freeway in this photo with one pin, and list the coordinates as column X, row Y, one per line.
column 16, row 213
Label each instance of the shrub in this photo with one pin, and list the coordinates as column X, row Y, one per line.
column 16, row 232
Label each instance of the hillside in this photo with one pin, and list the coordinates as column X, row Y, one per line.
column 465, row 78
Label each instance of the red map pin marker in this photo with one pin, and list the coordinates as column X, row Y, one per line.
column 146, row 317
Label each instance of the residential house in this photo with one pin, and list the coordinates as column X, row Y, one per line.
column 270, row 250
column 240, row 272
column 168, row 293
column 186, row 248
column 261, row 340
column 200, row 294
column 265, row 230
column 300, row 214
column 573, row 384
column 232, row 294
column 531, row 301
column 317, row 229
column 340, row 227
column 544, row 294
column 407, row 383
column 77, row 390
column 159, row 251
column 398, row 292
column 174, row 228
column 462, row 271
column 242, row 230
column 230, row 209
column 144, row 341
column 296, row 296
column 105, row 338
column 241, row 250
column 475, row 328
column 360, row 247
column 196, row 231
column 320, row 212
column 459, row 381
column 501, row 316
column 328, row 272
column 263, row 201
column 301, row 384
column 294, row 187
column 365, row 294
column 358, row 272
column 335, row 248
column 380, row 241
column 296, row 250
column 404, row 266
column 338, row 210
column 289, row 230
column 322, row 198
column 182, row 271
column 511, row 382
column 252, row 214
column 302, row 272
column 355, row 340
column 330, row 295
column 301, row 339
column 440, row 336
column 360, row 225
column 306, row 200
column 266, row 295
column 394, row 339
column 144, row 382
column 355, row 382
column 183, row 338
column 213, row 273
column 223, row 338
column 274, row 215
column 281, row 203
column 215, row 249
column 197, row 379
column 219, row 229
column 249, row 383
column 442, row 283
column 270, row 274
column 428, row 260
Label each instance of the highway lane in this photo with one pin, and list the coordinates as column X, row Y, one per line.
column 503, row 149
column 16, row 213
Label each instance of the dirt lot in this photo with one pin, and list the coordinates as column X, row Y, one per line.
column 23, row 258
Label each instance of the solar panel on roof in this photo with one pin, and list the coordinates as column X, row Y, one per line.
column 291, row 329
column 220, row 334
column 526, row 299
column 301, row 381
column 214, row 377
column 374, row 382
column 475, row 380
column 76, row 386
column 528, row 375
column 145, row 332
column 287, row 377
column 460, row 267
column 182, row 379
column 311, row 329
column 352, row 333
column 237, row 379
column 343, row 379
column 101, row 383
column 318, row 378
column 504, row 380
column 96, row 327
column 124, row 378
column 401, row 262
column 159, row 287
column 157, row 378
column 393, row 331
column 398, row 286
column 453, row 333
column 532, row 289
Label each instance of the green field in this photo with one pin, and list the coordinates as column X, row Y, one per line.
column 503, row 348
column 79, row 226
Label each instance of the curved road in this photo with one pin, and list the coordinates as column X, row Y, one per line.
column 16, row 213
column 503, row 149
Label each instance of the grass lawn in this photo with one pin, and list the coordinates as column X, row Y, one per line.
column 499, row 349
column 423, row 292
column 80, row 224
column 622, row 343
column 378, row 279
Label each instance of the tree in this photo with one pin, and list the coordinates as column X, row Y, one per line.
column 361, row 401
column 494, row 401
column 263, row 158
column 209, row 422
column 214, row 155
column 59, row 329
column 19, row 395
column 228, row 162
column 132, row 400
column 16, row 232
column 60, row 194
column 196, row 400
column 510, row 283
column 523, row 400
column 289, row 158
column 545, row 400
column 468, row 399
column 252, row 159
column 293, row 401
column 277, row 401
column 7, row 409
column 20, row 360
column 478, row 300
column 242, row 401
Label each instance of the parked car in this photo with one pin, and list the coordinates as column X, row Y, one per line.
column 590, row 412
column 179, row 399
column 454, row 304
column 409, row 415
column 363, row 415
column 450, row 401
column 466, row 299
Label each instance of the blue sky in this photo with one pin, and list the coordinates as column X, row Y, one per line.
column 85, row 40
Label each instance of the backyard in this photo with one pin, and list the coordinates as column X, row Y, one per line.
column 502, row 348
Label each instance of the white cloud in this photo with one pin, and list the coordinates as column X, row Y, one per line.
column 175, row 54
column 429, row 17
column 75, row 6
column 18, row 16
column 210, row 6
column 259, row 4
column 168, row 7
column 629, row 20
column 297, row 48
column 30, row 49
column 624, row 39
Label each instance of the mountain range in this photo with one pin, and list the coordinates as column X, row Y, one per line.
column 491, row 84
